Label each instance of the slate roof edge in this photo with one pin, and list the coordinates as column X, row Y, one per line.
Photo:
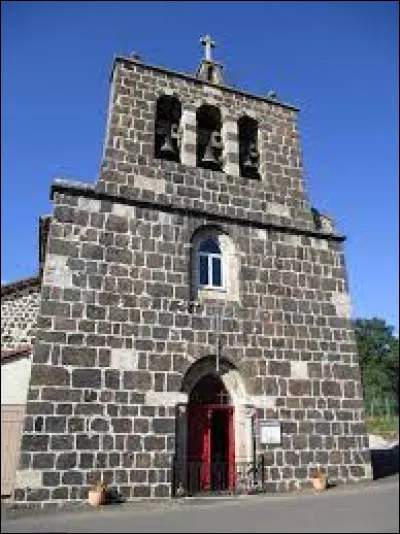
column 23, row 350
column 17, row 285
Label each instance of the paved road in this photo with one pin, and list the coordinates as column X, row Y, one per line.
column 372, row 508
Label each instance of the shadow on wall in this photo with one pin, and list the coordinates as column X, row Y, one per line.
column 114, row 496
column 385, row 462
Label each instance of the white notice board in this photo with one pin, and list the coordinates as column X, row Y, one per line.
column 270, row 432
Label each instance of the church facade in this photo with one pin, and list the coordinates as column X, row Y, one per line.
column 194, row 315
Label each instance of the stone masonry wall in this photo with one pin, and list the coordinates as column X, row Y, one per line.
column 19, row 311
column 110, row 334
column 116, row 330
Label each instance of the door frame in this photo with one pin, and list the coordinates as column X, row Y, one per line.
column 199, row 447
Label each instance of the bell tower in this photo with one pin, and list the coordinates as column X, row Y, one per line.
column 200, row 123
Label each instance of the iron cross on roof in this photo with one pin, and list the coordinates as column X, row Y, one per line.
column 208, row 43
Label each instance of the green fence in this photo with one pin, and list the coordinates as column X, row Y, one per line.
column 388, row 408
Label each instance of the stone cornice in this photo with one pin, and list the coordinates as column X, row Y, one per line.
column 74, row 188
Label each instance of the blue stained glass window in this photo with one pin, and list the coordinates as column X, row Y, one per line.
column 210, row 263
column 216, row 272
column 210, row 245
column 204, row 270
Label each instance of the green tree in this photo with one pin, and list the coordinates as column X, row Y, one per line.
column 378, row 350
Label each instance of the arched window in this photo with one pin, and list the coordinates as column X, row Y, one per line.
column 210, row 263
column 214, row 265
column 209, row 140
column 167, row 135
column 248, row 147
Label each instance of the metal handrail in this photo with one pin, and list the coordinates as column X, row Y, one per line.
column 199, row 477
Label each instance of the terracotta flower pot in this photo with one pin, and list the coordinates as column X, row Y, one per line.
column 319, row 482
column 96, row 497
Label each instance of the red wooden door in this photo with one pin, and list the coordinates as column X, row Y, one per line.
column 199, row 446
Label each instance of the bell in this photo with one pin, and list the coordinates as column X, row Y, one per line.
column 175, row 131
column 213, row 150
column 209, row 155
column 168, row 149
column 251, row 158
column 216, row 140
column 249, row 163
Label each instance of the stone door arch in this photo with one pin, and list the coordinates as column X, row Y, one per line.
column 242, row 413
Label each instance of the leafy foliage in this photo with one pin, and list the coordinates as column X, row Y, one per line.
column 378, row 350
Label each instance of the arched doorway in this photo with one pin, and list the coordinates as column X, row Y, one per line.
column 213, row 427
column 210, row 437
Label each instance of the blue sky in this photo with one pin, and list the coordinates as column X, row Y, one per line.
column 337, row 61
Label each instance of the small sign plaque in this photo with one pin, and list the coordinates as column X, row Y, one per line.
column 270, row 432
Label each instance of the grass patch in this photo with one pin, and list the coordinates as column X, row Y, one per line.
column 383, row 426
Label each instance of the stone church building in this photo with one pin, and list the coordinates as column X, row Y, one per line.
column 194, row 316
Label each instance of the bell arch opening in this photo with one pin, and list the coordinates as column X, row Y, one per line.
column 167, row 125
column 209, row 140
column 249, row 156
